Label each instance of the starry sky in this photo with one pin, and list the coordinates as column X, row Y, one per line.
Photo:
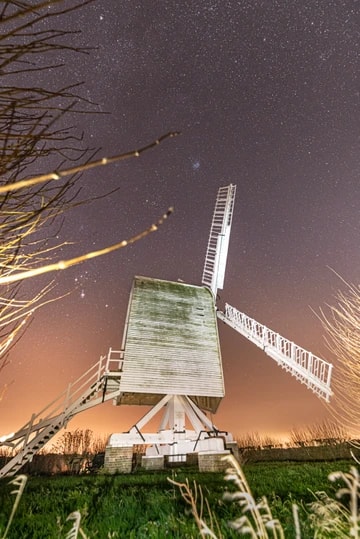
column 266, row 96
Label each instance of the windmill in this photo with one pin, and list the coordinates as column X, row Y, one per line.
column 172, row 357
column 170, row 360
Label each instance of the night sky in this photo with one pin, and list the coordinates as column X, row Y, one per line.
column 266, row 96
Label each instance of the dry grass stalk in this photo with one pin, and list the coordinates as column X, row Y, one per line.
column 332, row 518
column 76, row 529
column 19, row 482
column 256, row 518
column 342, row 326
column 195, row 499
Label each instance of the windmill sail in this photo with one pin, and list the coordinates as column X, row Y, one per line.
column 218, row 244
column 309, row 369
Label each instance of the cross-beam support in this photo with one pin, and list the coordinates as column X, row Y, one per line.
column 173, row 438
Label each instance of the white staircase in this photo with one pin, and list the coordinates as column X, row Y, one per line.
column 218, row 244
column 97, row 385
column 310, row 370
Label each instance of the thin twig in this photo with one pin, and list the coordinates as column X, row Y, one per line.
column 57, row 175
column 64, row 264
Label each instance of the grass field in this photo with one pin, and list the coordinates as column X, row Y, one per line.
column 146, row 505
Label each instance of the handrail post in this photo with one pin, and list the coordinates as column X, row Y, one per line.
column 28, row 432
column 100, row 367
column 108, row 359
column 67, row 397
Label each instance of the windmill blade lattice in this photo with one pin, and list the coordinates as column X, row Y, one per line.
column 218, row 244
column 309, row 369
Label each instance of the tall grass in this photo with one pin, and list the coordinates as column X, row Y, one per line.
column 270, row 501
column 326, row 517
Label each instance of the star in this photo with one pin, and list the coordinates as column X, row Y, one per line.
column 195, row 165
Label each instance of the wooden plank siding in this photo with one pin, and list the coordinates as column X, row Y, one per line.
column 171, row 344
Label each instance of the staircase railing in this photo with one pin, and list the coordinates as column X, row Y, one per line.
column 89, row 390
column 62, row 401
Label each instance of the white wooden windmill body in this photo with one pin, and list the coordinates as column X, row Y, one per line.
column 170, row 359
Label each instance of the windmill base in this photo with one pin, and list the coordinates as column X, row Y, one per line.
column 173, row 444
column 207, row 461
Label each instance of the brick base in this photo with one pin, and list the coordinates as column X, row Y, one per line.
column 212, row 462
column 234, row 449
column 153, row 463
column 118, row 459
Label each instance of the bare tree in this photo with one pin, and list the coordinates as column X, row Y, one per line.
column 99, row 442
column 80, row 442
column 75, row 442
column 78, row 447
column 325, row 433
column 257, row 441
column 34, row 135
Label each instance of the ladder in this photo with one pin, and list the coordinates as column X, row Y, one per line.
column 98, row 384
column 218, row 243
column 309, row 369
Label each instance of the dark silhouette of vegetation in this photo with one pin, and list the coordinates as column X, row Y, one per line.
column 34, row 111
column 35, row 114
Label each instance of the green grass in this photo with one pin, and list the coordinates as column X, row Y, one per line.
column 298, row 479
column 147, row 505
column 139, row 505
column 286, row 483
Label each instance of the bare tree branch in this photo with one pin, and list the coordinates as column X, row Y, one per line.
column 36, row 119
column 64, row 264
column 81, row 168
